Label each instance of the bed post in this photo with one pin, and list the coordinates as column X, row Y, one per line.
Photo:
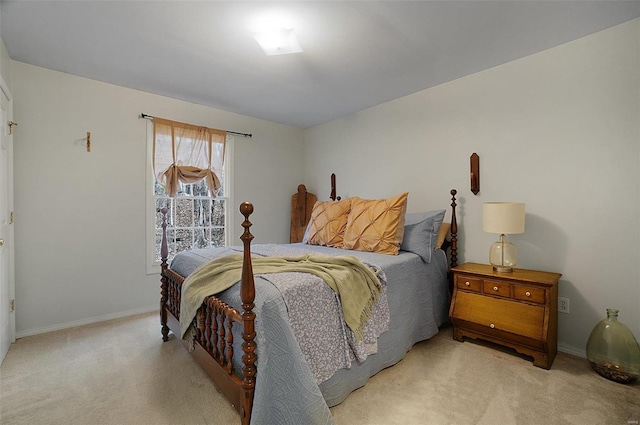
column 453, row 244
column 454, row 230
column 247, row 294
column 164, row 282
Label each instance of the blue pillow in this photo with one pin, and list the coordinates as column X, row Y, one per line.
column 421, row 233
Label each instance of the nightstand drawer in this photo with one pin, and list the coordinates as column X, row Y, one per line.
column 527, row 293
column 469, row 283
column 500, row 314
column 501, row 289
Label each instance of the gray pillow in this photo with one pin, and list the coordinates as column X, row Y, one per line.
column 421, row 233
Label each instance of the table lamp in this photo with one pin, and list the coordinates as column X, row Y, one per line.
column 504, row 218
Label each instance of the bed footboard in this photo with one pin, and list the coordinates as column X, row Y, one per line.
column 213, row 347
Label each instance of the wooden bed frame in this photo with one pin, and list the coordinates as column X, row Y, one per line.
column 213, row 348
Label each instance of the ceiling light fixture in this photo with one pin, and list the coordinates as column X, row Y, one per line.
column 278, row 41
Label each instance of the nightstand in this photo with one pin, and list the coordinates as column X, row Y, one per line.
column 517, row 310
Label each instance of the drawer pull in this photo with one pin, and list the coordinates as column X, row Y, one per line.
column 528, row 294
column 467, row 283
column 495, row 288
column 492, row 326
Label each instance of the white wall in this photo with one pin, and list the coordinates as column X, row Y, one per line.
column 5, row 65
column 80, row 217
column 558, row 130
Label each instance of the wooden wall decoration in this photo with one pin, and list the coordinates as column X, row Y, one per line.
column 333, row 188
column 301, row 206
column 475, row 173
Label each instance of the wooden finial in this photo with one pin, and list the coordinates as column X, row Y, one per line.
column 333, row 188
column 246, row 209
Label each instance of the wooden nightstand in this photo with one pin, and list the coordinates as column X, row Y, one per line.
column 517, row 309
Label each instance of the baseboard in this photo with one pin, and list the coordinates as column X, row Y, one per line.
column 87, row 321
column 572, row 350
column 561, row 347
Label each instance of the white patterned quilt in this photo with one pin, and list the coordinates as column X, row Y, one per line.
column 326, row 341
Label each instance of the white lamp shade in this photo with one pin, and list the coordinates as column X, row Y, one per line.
column 503, row 217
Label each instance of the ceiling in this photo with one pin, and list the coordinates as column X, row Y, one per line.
column 357, row 54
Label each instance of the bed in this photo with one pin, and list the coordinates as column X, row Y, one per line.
column 255, row 339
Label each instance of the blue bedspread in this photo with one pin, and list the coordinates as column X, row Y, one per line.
column 286, row 390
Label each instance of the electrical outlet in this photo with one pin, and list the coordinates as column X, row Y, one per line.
column 563, row 305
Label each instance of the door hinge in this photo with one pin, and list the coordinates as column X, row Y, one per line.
column 12, row 306
column 11, row 217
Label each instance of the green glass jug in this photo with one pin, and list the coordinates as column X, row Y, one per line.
column 613, row 351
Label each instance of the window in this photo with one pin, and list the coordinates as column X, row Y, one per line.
column 194, row 218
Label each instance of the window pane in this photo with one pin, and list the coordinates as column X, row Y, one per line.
column 217, row 237
column 158, row 189
column 217, row 213
column 221, row 191
column 202, row 237
column 158, row 244
column 161, row 203
column 200, row 189
column 184, row 239
column 201, row 212
column 170, row 243
column 184, row 212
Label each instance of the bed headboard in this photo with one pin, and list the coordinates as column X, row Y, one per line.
column 302, row 203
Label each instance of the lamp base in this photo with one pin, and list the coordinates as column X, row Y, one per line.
column 502, row 269
column 503, row 255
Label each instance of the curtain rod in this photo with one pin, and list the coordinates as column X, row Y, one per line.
column 150, row 117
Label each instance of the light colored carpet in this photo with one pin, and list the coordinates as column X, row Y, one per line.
column 120, row 372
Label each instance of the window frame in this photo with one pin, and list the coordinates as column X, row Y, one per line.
column 153, row 265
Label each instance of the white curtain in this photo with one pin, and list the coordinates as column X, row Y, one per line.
column 187, row 153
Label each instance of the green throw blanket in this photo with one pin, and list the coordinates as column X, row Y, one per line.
column 355, row 283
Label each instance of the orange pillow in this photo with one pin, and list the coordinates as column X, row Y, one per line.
column 376, row 225
column 327, row 223
column 442, row 234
